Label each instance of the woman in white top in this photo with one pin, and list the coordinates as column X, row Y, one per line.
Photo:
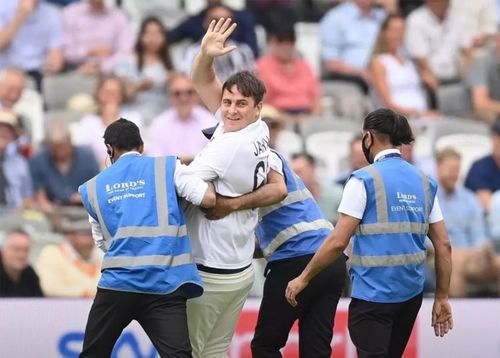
column 394, row 76
column 110, row 96
column 146, row 70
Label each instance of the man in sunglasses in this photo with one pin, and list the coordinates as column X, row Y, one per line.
column 167, row 134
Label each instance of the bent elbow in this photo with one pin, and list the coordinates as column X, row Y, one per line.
column 282, row 192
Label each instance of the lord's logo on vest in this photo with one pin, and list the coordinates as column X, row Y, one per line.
column 406, row 198
column 124, row 186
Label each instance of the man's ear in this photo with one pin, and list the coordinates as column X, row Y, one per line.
column 141, row 148
column 258, row 107
column 109, row 150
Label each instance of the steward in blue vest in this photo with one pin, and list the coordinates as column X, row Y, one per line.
column 288, row 235
column 388, row 207
column 147, row 271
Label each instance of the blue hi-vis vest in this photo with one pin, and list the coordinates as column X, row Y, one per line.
column 136, row 205
column 388, row 255
column 295, row 226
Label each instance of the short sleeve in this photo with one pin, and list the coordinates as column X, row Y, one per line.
column 435, row 214
column 416, row 43
column 353, row 201
column 478, row 72
column 275, row 163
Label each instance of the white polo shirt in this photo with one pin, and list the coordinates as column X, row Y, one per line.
column 237, row 163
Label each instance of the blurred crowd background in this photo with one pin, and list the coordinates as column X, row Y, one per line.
column 69, row 68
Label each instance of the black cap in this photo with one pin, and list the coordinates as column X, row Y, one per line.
column 209, row 132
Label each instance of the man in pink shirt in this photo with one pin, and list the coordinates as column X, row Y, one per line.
column 95, row 36
column 177, row 131
column 291, row 85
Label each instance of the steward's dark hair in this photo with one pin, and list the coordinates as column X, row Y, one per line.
column 387, row 122
column 248, row 84
column 123, row 135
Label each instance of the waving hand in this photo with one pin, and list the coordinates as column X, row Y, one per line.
column 212, row 44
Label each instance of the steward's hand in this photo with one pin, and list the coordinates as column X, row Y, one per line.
column 442, row 319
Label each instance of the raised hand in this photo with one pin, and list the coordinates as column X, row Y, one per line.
column 212, row 44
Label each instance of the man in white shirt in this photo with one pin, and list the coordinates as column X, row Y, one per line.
column 236, row 160
column 435, row 40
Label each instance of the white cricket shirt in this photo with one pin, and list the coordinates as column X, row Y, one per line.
column 237, row 163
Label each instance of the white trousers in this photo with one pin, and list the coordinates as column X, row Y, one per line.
column 212, row 317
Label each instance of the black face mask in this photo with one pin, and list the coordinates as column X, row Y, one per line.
column 366, row 150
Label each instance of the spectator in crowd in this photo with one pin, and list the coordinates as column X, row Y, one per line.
column 483, row 79
column 484, row 174
column 16, row 188
column 395, row 78
column 291, row 85
column 111, row 95
column 479, row 19
column 95, row 36
column 327, row 195
column 31, row 37
column 357, row 160
column 147, row 69
column 12, row 85
column 59, row 168
column 73, row 268
column 347, row 36
column 472, row 255
column 193, row 28
column 177, row 131
column 424, row 163
column 275, row 121
column 240, row 59
column 17, row 277
column 435, row 39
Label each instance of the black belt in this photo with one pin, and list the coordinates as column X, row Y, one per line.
column 219, row 270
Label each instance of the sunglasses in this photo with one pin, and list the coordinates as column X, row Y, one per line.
column 179, row 93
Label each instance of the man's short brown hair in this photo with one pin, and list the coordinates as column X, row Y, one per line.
column 248, row 84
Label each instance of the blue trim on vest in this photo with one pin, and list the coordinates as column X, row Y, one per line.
column 280, row 219
column 405, row 202
column 139, row 209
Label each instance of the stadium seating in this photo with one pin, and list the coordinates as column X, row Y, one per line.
column 58, row 89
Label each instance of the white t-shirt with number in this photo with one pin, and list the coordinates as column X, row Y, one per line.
column 237, row 163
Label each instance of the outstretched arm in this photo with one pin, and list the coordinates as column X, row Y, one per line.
column 203, row 74
column 271, row 193
column 330, row 250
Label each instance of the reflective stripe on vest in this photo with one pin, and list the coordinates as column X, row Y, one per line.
column 163, row 229
column 156, row 260
column 383, row 226
column 293, row 197
column 294, row 230
column 392, row 260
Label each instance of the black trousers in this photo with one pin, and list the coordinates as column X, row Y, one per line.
column 315, row 311
column 163, row 318
column 382, row 329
